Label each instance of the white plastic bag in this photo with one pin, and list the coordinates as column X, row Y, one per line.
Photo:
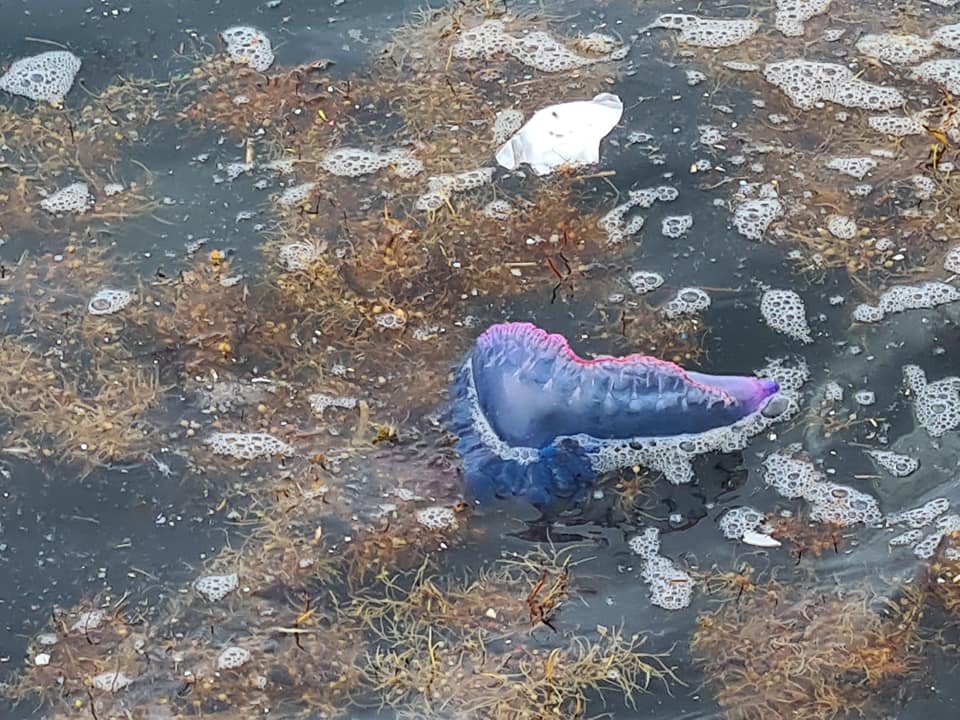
column 565, row 134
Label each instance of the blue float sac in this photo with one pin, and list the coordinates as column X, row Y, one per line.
column 532, row 417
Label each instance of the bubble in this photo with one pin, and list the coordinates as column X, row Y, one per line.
column 792, row 14
column 437, row 518
column 894, row 463
column 505, row 124
column 707, row 32
column 785, row 313
column 841, row 226
column 45, row 77
column 856, row 167
column 297, row 194
column 894, row 48
column 644, row 282
column 865, row 397
column 806, row 83
column 247, row 446
column 937, row 404
column 111, row 681
column 249, row 46
column 676, row 226
column 72, row 198
column 688, row 301
column 896, row 125
column 752, row 217
column 319, row 402
column 108, row 301
column 216, row 587
column 232, row 658
column 942, row 72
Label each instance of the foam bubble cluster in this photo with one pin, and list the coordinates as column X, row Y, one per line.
column 785, row 313
column 108, row 301
column 907, row 297
column 354, row 162
column 437, row 517
column 534, row 49
column 807, row 83
column 947, row 36
column 951, row 263
column 896, row 125
column 248, row 46
column 643, row 281
column 670, row 587
column 895, row 48
column 944, row 525
column 298, row 256
column 936, row 405
column 793, row 476
column 391, row 320
column 615, row 223
column 676, row 226
column 922, row 516
column 856, row 167
column 498, row 210
column 216, row 587
column 942, row 72
column 894, row 463
column 752, row 217
column 46, row 77
column 505, row 124
column 319, row 402
column 296, row 195
column 688, row 301
column 747, row 524
column 72, row 198
column 89, row 620
column 441, row 187
column 247, row 446
column 792, row 14
column 707, row 32
column 232, row 658
column 842, row 227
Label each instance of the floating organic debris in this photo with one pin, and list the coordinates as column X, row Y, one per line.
column 807, row 83
column 792, row 14
column 74, row 198
column 45, row 77
column 247, row 446
column 687, row 301
column 567, row 134
column 901, row 298
column 670, row 587
column 248, row 46
column 655, row 414
column 896, row 48
column 785, row 313
column 894, row 463
column 109, row 301
column 937, row 404
column 707, row 32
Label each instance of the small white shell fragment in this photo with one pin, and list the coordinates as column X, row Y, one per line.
column 41, row 659
column 109, row 301
column 567, row 134
column 216, row 587
column 758, row 539
column 232, row 658
column 111, row 681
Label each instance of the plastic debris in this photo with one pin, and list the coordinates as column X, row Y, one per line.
column 216, row 587
column 108, row 301
column 248, row 46
column 232, row 658
column 247, row 446
column 437, row 517
column 807, row 83
column 937, row 404
column 72, row 198
column 707, row 32
column 792, row 14
column 567, row 134
column 688, row 301
column 894, row 463
column 46, row 77
column 785, row 313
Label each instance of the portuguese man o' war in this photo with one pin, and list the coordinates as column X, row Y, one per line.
column 536, row 420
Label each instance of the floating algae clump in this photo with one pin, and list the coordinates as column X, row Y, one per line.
column 780, row 652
